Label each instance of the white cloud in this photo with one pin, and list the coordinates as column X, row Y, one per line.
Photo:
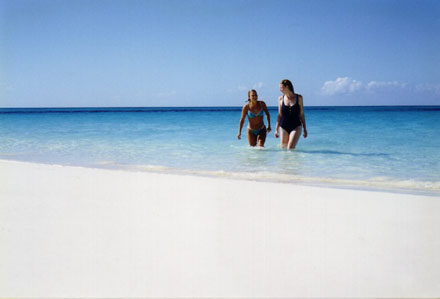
column 372, row 85
column 242, row 87
column 433, row 88
column 239, row 88
column 341, row 85
column 166, row 94
column 346, row 85
column 4, row 86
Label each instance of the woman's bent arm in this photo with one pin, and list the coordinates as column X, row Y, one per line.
column 277, row 127
column 301, row 115
column 267, row 116
column 240, row 125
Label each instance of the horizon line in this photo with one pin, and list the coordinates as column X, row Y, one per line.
column 123, row 107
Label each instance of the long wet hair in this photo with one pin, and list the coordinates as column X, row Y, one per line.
column 288, row 84
column 249, row 94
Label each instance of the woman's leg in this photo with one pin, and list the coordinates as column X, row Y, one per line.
column 284, row 138
column 261, row 138
column 294, row 137
column 251, row 138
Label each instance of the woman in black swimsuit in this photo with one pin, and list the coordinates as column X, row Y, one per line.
column 290, row 116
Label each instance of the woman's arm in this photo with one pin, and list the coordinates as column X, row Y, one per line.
column 301, row 114
column 267, row 116
column 277, row 127
column 243, row 116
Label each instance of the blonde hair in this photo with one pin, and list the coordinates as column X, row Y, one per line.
column 249, row 94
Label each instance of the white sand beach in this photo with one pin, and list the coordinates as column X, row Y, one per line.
column 79, row 232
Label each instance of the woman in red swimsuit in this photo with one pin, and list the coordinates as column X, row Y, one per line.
column 290, row 116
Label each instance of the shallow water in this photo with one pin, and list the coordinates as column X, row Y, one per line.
column 369, row 147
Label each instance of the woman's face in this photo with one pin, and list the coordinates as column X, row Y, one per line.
column 253, row 96
column 282, row 88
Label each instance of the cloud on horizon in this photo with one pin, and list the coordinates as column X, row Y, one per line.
column 341, row 85
column 166, row 94
column 433, row 88
column 347, row 85
column 246, row 88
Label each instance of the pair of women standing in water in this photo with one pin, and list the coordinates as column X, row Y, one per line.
column 290, row 118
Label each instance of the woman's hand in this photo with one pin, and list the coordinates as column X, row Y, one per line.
column 239, row 136
column 305, row 133
column 276, row 134
column 269, row 129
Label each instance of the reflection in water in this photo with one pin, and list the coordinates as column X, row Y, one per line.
column 254, row 159
column 329, row 152
column 291, row 162
column 301, row 162
column 270, row 159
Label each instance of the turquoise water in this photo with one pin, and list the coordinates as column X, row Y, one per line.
column 395, row 148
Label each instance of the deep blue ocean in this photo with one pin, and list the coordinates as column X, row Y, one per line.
column 388, row 148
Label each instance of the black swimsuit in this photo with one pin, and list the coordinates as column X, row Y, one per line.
column 290, row 116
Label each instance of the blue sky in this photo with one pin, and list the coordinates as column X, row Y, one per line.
column 88, row 53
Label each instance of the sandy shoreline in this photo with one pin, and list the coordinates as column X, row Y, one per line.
column 78, row 232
